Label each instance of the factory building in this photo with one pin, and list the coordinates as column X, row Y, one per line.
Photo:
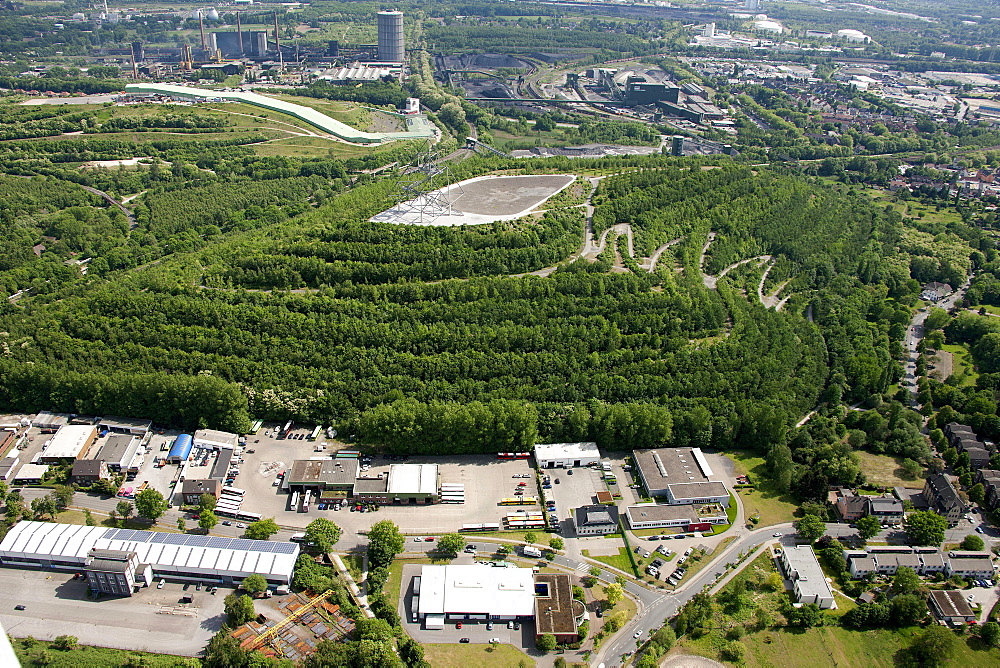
column 330, row 478
column 121, row 453
column 253, row 43
column 413, row 483
column 391, row 48
column 169, row 555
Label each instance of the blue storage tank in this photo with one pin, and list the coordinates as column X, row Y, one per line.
column 181, row 449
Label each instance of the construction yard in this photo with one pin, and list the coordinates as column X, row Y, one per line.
column 293, row 626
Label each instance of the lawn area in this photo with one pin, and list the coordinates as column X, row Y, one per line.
column 85, row 657
column 884, row 470
column 961, row 360
column 465, row 656
column 395, row 580
column 619, row 561
column 770, row 505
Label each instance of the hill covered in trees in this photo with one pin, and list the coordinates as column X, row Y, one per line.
column 418, row 338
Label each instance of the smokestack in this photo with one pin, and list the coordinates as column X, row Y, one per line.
column 277, row 44
column 201, row 29
column 135, row 68
column 239, row 33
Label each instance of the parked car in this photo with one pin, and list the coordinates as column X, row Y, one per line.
column 489, row 626
column 466, row 640
column 777, row 534
column 494, row 641
column 19, row 607
column 458, row 625
column 510, row 625
column 159, row 585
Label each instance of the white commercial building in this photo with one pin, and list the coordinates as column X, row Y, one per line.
column 566, row 455
column 475, row 592
column 171, row 555
column 70, row 442
column 210, row 439
column 412, row 483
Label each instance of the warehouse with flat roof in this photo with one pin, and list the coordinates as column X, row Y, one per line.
column 475, row 592
column 119, row 452
column 71, row 442
column 211, row 439
column 412, row 483
column 566, row 455
column 682, row 475
column 170, row 555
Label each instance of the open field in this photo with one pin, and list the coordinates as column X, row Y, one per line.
column 464, row 656
column 884, row 470
column 765, row 501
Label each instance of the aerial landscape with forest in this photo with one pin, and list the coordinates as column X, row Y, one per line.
column 658, row 334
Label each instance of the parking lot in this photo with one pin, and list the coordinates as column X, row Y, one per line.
column 152, row 620
column 572, row 488
column 486, row 481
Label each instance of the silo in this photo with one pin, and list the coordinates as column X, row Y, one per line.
column 390, row 37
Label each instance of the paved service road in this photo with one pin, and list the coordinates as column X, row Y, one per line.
column 915, row 332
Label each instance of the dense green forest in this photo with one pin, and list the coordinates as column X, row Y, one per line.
column 583, row 354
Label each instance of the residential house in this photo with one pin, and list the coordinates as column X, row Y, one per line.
column 935, row 291
column 887, row 509
column 943, row 498
column 860, row 567
column 990, row 480
column 86, row 472
column 969, row 565
column 850, row 505
column 192, row 490
column 951, row 608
